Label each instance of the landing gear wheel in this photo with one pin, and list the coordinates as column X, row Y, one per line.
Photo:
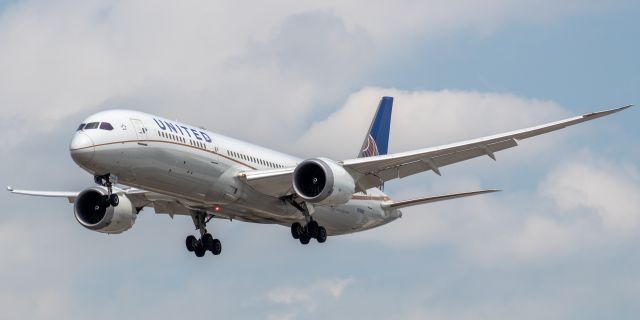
column 191, row 243
column 207, row 241
column 297, row 230
column 322, row 235
column 305, row 238
column 217, row 247
column 200, row 250
column 312, row 228
column 114, row 200
column 110, row 199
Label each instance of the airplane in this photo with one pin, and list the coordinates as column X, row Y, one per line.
column 140, row 160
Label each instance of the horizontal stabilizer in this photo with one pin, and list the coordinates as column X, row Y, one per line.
column 415, row 202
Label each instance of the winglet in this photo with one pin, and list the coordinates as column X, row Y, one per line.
column 607, row 112
column 10, row 189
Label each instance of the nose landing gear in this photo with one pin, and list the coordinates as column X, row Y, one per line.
column 206, row 241
column 111, row 198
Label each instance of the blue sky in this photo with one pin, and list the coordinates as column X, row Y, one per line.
column 560, row 242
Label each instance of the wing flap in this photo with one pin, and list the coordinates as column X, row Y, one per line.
column 276, row 183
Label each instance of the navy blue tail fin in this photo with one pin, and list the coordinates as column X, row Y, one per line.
column 376, row 142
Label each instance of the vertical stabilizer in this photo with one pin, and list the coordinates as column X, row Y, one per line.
column 376, row 142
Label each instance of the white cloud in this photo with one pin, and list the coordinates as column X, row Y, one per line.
column 215, row 62
column 583, row 204
column 295, row 294
column 427, row 118
column 305, row 299
column 261, row 71
column 609, row 189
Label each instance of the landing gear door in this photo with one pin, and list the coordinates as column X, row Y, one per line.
column 141, row 131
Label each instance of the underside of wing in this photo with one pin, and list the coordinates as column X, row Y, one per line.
column 276, row 183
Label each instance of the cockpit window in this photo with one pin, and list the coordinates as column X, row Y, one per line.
column 106, row 126
column 91, row 125
column 80, row 127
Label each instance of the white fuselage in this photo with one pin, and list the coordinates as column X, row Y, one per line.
column 199, row 169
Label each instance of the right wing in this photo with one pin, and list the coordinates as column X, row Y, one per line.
column 371, row 172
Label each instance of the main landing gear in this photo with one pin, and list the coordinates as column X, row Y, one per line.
column 111, row 198
column 311, row 230
column 206, row 241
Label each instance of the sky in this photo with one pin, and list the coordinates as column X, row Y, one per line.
column 559, row 242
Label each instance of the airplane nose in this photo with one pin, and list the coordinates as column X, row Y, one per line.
column 81, row 148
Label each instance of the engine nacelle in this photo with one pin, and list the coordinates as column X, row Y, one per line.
column 93, row 214
column 323, row 181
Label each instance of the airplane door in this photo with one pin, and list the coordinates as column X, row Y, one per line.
column 141, row 130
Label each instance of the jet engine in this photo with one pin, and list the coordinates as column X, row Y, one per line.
column 94, row 213
column 323, row 181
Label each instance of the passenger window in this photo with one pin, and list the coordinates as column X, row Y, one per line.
column 106, row 126
column 92, row 125
column 80, row 127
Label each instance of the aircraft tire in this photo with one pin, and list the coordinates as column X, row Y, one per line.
column 191, row 243
column 114, row 200
column 297, row 230
column 207, row 241
column 217, row 247
column 199, row 250
column 312, row 228
column 322, row 235
column 304, row 239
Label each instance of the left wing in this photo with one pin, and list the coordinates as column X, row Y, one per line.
column 139, row 198
column 372, row 171
column 70, row 195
